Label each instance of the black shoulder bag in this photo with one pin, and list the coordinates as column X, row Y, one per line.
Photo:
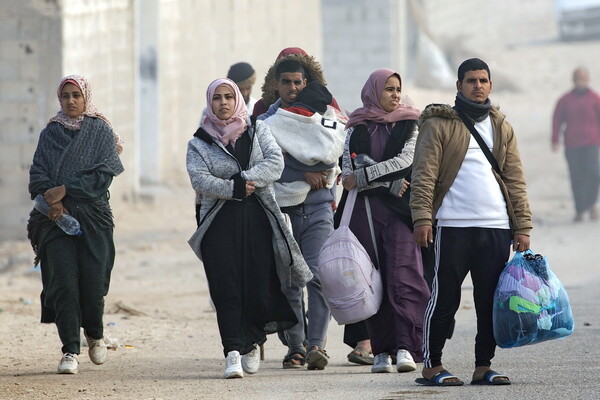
column 480, row 142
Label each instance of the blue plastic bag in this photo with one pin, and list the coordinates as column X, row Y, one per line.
column 530, row 303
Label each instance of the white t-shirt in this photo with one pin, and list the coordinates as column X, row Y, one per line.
column 475, row 198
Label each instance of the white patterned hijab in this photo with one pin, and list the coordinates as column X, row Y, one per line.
column 89, row 109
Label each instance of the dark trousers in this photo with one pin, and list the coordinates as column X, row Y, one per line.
column 239, row 262
column 584, row 170
column 75, row 277
column 354, row 333
column 481, row 251
column 399, row 322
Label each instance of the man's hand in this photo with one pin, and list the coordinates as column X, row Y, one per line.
column 423, row 235
column 316, row 180
column 349, row 182
column 55, row 194
column 521, row 243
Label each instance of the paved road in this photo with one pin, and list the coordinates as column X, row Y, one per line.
column 564, row 369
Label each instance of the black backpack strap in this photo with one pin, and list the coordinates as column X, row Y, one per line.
column 253, row 122
column 480, row 141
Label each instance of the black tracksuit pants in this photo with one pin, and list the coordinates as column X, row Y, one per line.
column 481, row 251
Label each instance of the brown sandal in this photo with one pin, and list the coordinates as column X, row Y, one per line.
column 292, row 361
column 360, row 356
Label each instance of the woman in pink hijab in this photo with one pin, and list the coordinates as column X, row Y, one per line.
column 247, row 249
column 377, row 162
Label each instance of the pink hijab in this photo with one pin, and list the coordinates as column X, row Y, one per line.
column 89, row 109
column 227, row 131
column 372, row 110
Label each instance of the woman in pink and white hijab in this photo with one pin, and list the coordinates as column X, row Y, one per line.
column 247, row 250
column 73, row 121
column 226, row 117
column 74, row 164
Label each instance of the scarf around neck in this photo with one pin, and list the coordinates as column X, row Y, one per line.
column 476, row 111
column 226, row 131
column 372, row 109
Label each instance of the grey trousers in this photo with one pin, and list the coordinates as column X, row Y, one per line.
column 584, row 170
column 311, row 225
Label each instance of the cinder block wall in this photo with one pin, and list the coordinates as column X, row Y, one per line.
column 42, row 41
column 30, row 54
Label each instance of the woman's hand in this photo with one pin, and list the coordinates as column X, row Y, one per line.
column 55, row 194
column 56, row 211
column 250, row 188
column 349, row 182
column 405, row 184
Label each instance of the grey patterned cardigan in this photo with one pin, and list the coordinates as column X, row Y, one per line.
column 215, row 174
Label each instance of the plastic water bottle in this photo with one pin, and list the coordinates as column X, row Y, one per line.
column 67, row 222
column 362, row 160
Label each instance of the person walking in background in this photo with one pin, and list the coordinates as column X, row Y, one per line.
column 577, row 118
column 310, row 211
column 244, row 77
column 477, row 211
column 76, row 159
column 247, row 250
column 385, row 130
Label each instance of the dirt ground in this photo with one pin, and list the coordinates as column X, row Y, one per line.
column 158, row 312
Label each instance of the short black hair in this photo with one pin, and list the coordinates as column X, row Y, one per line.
column 289, row 66
column 472, row 64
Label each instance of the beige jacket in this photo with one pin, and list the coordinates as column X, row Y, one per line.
column 440, row 150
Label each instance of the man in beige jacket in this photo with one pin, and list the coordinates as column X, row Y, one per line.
column 476, row 210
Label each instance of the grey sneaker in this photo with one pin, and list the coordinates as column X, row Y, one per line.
column 405, row 361
column 97, row 350
column 382, row 363
column 68, row 364
column 233, row 365
column 251, row 362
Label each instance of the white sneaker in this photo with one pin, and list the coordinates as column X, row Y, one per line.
column 233, row 365
column 404, row 361
column 97, row 350
column 382, row 363
column 68, row 364
column 251, row 361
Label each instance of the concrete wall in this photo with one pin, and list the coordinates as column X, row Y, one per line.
column 153, row 103
column 30, row 62
column 98, row 43
column 361, row 36
column 199, row 40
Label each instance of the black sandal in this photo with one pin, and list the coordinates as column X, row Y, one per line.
column 296, row 360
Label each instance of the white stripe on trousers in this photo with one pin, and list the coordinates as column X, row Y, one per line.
column 432, row 300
